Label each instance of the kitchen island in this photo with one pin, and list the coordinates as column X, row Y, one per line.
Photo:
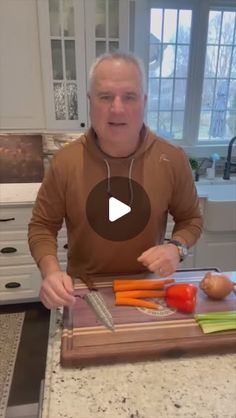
column 190, row 386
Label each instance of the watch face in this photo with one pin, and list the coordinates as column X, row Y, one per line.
column 184, row 250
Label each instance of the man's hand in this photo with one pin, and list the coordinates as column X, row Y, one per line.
column 57, row 290
column 161, row 259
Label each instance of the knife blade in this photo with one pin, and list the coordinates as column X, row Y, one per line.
column 96, row 302
column 98, row 305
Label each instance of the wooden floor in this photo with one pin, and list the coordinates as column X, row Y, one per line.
column 31, row 358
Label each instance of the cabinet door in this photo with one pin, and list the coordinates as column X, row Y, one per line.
column 62, row 41
column 21, row 101
column 72, row 34
column 108, row 23
column 216, row 250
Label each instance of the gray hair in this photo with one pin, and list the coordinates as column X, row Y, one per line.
column 127, row 57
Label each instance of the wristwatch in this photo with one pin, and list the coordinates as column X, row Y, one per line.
column 183, row 250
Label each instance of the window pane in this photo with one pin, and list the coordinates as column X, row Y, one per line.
column 156, row 24
column 153, row 94
column 208, row 94
column 100, row 19
column 113, row 18
column 182, row 61
column 68, row 10
column 100, row 47
column 164, row 124
column 205, row 120
column 179, row 95
column 214, row 27
column 113, row 46
column 219, row 86
column 54, row 16
column 224, row 61
column 227, row 32
column 232, row 95
column 168, row 69
column 233, row 67
column 57, row 60
column 211, row 61
column 166, row 94
column 170, row 26
column 177, row 124
column 168, row 61
column 230, row 123
column 152, row 121
column 185, row 17
column 59, row 100
column 154, row 58
column 70, row 60
column 72, row 101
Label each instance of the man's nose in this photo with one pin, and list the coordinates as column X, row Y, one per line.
column 117, row 104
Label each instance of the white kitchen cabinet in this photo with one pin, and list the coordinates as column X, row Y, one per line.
column 72, row 34
column 217, row 245
column 21, row 100
column 217, row 250
column 20, row 279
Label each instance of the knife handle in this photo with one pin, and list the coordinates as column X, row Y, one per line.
column 87, row 280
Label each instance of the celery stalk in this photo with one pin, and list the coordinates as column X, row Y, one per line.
column 216, row 315
column 216, row 321
column 217, row 326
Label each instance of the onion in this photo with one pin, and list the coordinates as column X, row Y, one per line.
column 216, row 286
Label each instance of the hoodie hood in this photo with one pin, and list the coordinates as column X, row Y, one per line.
column 90, row 141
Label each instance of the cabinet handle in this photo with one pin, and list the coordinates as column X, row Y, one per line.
column 7, row 219
column 65, row 246
column 8, row 250
column 12, row 285
column 82, row 124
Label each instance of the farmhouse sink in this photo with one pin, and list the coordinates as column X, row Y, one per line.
column 220, row 205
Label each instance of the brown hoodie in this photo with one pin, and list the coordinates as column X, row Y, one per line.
column 163, row 171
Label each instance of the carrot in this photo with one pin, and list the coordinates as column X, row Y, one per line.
column 120, row 285
column 141, row 294
column 136, row 302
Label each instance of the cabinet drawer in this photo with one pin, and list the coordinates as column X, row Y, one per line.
column 28, row 287
column 16, row 218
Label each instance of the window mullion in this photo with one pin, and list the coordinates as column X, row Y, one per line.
column 196, row 73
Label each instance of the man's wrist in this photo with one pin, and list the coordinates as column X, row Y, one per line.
column 48, row 265
column 182, row 248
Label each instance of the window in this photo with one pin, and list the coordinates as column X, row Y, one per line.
column 192, row 70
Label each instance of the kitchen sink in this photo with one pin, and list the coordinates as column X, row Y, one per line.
column 220, row 205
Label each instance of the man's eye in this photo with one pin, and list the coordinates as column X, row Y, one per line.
column 105, row 97
column 130, row 97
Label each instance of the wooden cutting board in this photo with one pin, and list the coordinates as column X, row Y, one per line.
column 140, row 333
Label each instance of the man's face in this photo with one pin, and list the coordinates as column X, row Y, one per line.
column 117, row 105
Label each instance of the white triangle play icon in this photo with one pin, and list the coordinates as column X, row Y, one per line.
column 117, row 209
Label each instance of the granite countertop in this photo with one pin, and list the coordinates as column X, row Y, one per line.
column 26, row 192
column 15, row 193
column 199, row 386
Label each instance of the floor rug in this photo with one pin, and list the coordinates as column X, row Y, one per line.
column 10, row 333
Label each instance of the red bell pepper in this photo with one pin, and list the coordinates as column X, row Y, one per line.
column 182, row 296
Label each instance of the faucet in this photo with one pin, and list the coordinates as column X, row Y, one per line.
column 229, row 164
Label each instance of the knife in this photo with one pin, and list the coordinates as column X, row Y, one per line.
column 96, row 302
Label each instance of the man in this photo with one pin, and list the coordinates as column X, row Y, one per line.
column 118, row 145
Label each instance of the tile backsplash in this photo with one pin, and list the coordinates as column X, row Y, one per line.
column 21, row 158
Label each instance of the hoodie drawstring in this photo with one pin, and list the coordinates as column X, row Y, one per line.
column 130, row 180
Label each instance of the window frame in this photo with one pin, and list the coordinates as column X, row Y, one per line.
column 199, row 31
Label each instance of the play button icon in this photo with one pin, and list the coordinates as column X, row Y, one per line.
column 117, row 209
